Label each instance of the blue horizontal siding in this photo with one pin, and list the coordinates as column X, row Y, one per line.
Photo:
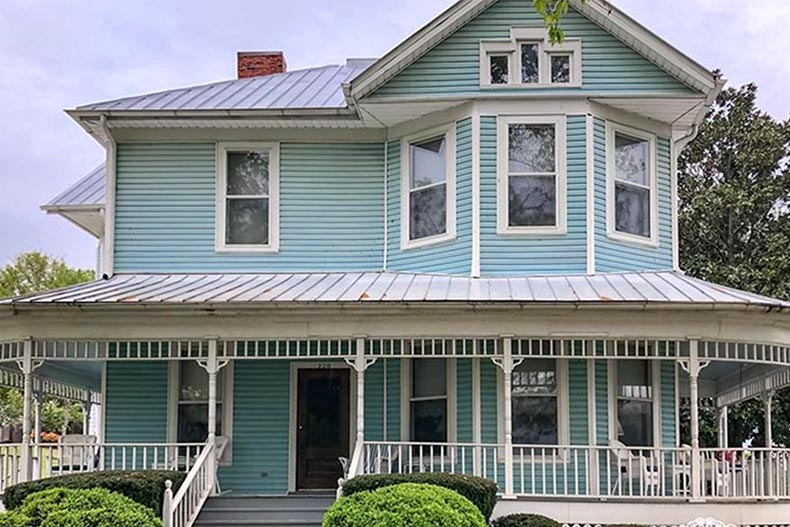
column 451, row 257
column 452, row 67
column 529, row 255
column 136, row 402
column 331, row 210
column 616, row 256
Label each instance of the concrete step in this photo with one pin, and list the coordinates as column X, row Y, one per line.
column 300, row 510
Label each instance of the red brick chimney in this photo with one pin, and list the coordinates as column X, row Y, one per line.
column 259, row 63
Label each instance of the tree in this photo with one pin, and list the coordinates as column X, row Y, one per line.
column 734, row 219
column 552, row 12
column 35, row 272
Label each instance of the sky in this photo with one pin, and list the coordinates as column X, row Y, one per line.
column 57, row 54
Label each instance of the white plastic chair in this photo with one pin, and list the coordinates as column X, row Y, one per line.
column 76, row 453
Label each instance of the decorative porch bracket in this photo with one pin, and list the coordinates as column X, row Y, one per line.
column 212, row 367
column 693, row 367
column 507, row 364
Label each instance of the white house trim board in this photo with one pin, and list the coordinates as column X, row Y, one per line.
column 449, row 133
column 222, row 150
column 612, row 129
column 108, row 255
column 590, row 188
column 560, row 172
column 476, row 257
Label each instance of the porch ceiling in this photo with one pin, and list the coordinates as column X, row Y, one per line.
column 641, row 289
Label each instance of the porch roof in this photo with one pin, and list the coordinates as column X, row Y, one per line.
column 645, row 288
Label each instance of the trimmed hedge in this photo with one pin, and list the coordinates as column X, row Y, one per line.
column 61, row 507
column 145, row 487
column 480, row 491
column 525, row 520
column 404, row 505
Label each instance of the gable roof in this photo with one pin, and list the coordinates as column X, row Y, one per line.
column 606, row 15
column 88, row 192
column 313, row 88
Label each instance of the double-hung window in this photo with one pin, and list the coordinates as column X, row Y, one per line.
column 247, row 197
column 429, row 401
column 535, row 401
column 632, row 199
column 635, row 403
column 532, row 175
column 428, row 204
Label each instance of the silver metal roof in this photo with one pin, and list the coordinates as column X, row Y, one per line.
column 87, row 192
column 313, row 88
column 669, row 288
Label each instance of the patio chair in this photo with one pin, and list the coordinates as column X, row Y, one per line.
column 76, row 453
column 630, row 466
column 681, row 472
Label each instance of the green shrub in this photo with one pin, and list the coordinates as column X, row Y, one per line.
column 479, row 491
column 146, row 487
column 404, row 505
column 525, row 520
column 14, row 519
column 61, row 507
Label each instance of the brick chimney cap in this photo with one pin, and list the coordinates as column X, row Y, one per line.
column 259, row 53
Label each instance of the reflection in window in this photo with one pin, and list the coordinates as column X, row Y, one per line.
column 632, row 185
column 530, row 67
column 428, row 188
column 535, row 403
column 634, row 403
column 499, row 69
column 247, row 198
column 532, row 175
column 193, row 403
column 560, row 69
column 428, row 401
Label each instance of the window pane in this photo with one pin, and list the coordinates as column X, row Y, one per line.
column 635, row 420
column 634, row 379
column 428, row 162
column 529, row 64
column 428, row 212
column 247, row 222
column 194, row 383
column 429, row 377
column 499, row 69
column 429, row 421
column 535, row 421
column 537, row 376
column 248, row 173
column 560, row 68
column 632, row 210
column 532, row 201
column 193, row 423
column 631, row 159
column 531, row 148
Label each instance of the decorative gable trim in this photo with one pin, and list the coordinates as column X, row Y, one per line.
column 601, row 12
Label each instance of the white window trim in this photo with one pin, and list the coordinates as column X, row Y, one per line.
column 174, row 380
column 563, row 405
column 560, row 136
column 612, row 129
column 512, row 48
column 655, row 379
column 274, row 197
column 452, row 398
column 450, row 234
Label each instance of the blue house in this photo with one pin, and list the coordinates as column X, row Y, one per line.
column 460, row 257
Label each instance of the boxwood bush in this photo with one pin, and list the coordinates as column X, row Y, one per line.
column 479, row 491
column 146, row 487
column 525, row 520
column 404, row 505
column 61, row 507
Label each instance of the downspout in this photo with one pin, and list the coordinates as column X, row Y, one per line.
column 386, row 200
column 108, row 252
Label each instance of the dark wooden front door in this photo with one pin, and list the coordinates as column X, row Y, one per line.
column 322, row 427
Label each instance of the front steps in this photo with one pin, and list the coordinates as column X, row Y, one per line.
column 298, row 510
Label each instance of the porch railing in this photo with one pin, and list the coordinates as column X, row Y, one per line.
column 595, row 472
column 182, row 509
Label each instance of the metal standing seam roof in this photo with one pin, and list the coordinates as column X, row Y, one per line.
column 312, row 88
column 87, row 192
column 291, row 288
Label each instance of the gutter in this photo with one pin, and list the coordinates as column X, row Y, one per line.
column 108, row 240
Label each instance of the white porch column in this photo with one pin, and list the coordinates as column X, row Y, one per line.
column 38, row 399
column 360, row 365
column 723, row 418
column 507, row 412
column 768, row 397
column 211, row 366
column 27, row 365
column 696, row 460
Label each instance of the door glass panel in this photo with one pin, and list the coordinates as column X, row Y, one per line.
column 323, row 412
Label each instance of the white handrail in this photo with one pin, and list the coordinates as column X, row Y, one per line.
column 182, row 509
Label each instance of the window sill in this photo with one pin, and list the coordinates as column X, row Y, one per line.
column 408, row 245
column 632, row 239
column 532, row 86
column 247, row 250
column 531, row 232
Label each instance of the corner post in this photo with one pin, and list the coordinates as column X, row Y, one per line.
column 507, row 411
column 768, row 397
column 696, row 460
column 167, row 505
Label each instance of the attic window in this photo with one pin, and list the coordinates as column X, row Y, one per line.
column 528, row 59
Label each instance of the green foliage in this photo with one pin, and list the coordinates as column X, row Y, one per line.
column 524, row 520
column 404, row 505
column 11, row 403
column 144, row 487
column 35, row 272
column 62, row 507
column 480, row 491
column 552, row 12
column 734, row 220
